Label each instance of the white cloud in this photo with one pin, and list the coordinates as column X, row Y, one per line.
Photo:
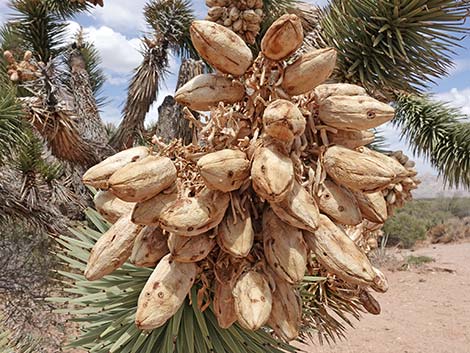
column 121, row 15
column 458, row 98
column 460, row 65
column 118, row 53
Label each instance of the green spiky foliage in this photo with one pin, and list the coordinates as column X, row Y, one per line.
column 330, row 305
column 41, row 29
column 170, row 21
column 11, row 123
column 106, row 309
column 389, row 45
column 437, row 132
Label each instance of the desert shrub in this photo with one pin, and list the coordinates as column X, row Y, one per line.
column 454, row 229
column 405, row 229
column 412, row 222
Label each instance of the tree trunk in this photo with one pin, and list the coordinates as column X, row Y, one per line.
column 141, row 94
column 171, row 122
column 88, row 121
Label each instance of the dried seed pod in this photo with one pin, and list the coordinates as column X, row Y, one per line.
column 191, row 249
column 283, row 37
column 221, row 47
column 283, row 121
column 354, row 112
column 111, row 207
column 207, row 90
column 224, row 170
column 286, row 313
column 213, row 3
column 326, row 90
column 253, row 300
column 391, row 163
column 284, row 248
column 189, row 216
column 149, row 247
column 373, row 206
column 164, row 292
column 224, row 305
column 380, row 282
column 351, row 139
column 98, row 175
column 339, row 254
column 215, row 12
column 359, row 171
column 272, row 173
column 308, row 71
column 143, row 179
column 112, row 249
column 369, row 302
column 236, row 238
column 299, row 209
column 338, row 203
column 148, row 212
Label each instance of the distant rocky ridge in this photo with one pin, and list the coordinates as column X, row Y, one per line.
column 432, row 186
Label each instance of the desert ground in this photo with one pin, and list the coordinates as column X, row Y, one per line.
column 426, row 310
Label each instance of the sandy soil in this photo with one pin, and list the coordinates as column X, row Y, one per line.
column 425, row 311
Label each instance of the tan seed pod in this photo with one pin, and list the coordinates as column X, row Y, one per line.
column 373, row 206
column 28, row 55
column 112, row 249
column 9, row 57
column 354, row 112
column 236, row 238
column 380, row 283
column 111, row 207
column 221, row 47
column 283, row 121
column 272, row 173
column 208, row 90
column 213, row 3
column 284, row 248
column 351, row 139
column 149, row 247
column 283, row 37
column 369, row 302
column 299, row 209
column 326, row 90
column 391, row 163
column 250, row 16
column 234, row 14
column 338, row 203
column 164, row 292
column 224, row 170
column 216, row 12
column 308, row 71
column 286, row 313
column 359, row 171
column 98, row 175
column 190, row 216
column 191, row 249
column 148, row 212
column 224, row 305
column 144, row 179
column 253, row 300
column 237, row 25
column 339, row 254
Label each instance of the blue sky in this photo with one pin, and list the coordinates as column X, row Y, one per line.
column 116, row 29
